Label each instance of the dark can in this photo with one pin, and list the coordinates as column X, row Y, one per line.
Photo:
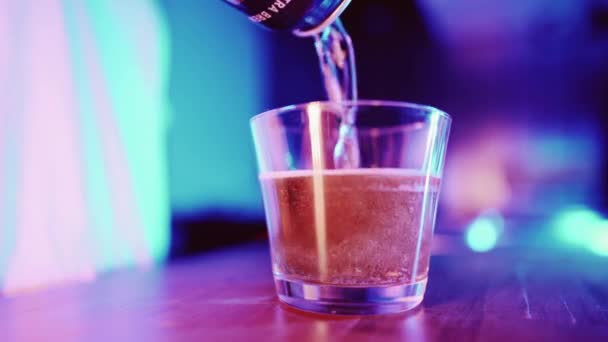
column 302, row 17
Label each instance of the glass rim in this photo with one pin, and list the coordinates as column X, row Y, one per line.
column 356, row 103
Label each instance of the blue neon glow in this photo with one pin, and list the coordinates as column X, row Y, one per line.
column 218, row 82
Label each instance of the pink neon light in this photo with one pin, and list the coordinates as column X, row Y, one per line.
column 51, row 239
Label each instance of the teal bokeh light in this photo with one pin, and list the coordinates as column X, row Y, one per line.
column 483, row 233
column 582, row 227
column 576, row 225
column 599, row 242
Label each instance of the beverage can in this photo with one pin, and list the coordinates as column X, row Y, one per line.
column 302, row 17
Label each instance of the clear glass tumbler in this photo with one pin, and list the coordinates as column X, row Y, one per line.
column 355, row 240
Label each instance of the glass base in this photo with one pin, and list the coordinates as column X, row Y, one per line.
column 350, row 300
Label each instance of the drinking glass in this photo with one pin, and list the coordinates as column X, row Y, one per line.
column 351, row 240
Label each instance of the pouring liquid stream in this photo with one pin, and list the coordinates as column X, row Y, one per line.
column 337, row 61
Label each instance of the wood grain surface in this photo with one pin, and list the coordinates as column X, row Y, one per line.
column 228, row 295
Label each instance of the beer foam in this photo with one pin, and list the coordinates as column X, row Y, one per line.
column 413, row 186
column 345, row 172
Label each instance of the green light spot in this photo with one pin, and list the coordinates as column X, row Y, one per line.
column 576, row 225
column 482, row 235
column 598, row 243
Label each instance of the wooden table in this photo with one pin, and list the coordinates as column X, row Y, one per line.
column 229, row 295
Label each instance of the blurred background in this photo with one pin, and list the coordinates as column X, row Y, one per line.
column 526, row 83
